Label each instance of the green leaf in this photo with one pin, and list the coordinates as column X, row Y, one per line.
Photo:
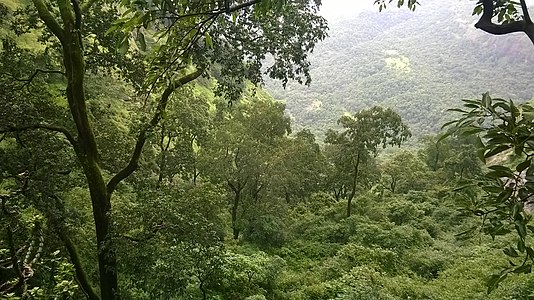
column 124, row 46
column 497, row 150
column 504, row 195
column 525, row 269
column 521, row 228
column 522, row 166
column 142, row 42
column 510, row 252
column 494, row 281
column 209, row 41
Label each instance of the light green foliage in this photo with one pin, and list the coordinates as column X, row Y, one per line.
column 352, row 151
column 403, row 172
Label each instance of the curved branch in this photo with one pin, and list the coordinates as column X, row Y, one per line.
column 29, row 80
column 486, row 24
column 81, row 276
column 49, row 20
column 141, row 138
column 72, row 140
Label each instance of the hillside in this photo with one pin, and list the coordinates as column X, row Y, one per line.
column 421, row 63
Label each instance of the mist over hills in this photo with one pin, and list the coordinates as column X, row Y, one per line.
column 420, row 63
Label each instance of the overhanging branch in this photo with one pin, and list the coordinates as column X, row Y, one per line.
column 141, row 138
column 486, row 24
column 29, row 80
column 44, row 126
column 526, row 15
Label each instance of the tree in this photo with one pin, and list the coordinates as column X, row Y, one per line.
column 237, row 155
column 179, row 60
column 455, row 156
column 297, row 167
column 509, row 20
column 359, row 143
column 403, row 172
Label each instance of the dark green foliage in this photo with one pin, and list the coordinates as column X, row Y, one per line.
column 503, row 199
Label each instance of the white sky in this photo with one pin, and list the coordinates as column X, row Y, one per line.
column 332, row 9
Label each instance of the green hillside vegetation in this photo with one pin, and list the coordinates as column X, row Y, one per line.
column 420, row 63
column 146, row 163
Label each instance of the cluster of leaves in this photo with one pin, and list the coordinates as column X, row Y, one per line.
column 504, row 134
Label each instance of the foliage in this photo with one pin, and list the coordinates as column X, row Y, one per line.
column 502, row 128
column 353, row 149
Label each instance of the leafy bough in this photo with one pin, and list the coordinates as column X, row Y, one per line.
column 505, row 140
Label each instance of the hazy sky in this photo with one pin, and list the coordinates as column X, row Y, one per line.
column 343, row 8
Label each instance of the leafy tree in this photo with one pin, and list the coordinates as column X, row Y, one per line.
column 402, row 172
column 297, row 167
column 237, row 155
column 359, row 143
column 77, row 31
column 456, row 156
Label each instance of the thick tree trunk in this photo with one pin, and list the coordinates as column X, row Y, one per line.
column 88, row 155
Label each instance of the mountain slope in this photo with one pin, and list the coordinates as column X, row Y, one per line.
column 421, row 63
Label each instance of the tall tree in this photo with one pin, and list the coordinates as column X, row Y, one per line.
column 297, row 167
column 238, row 153
column 359, row 142
column 180, row 57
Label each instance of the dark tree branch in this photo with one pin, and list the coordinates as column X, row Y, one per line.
column 81, row 276
column 224, row 10
column 526, row 15
column 486, row 24
column 77, row 14
column 29, row 80
column 141, row 139
column 53, row 128
column 62, row 232
column 49, row 20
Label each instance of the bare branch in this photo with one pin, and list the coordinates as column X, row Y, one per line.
column 29, row 80
column 141, row 139
column 53, row 128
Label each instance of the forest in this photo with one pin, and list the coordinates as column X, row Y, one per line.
column 144, row 153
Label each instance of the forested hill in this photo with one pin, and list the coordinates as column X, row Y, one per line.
column 420, row 63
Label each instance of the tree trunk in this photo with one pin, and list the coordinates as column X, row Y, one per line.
column 354, row 182
column 235, row 205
